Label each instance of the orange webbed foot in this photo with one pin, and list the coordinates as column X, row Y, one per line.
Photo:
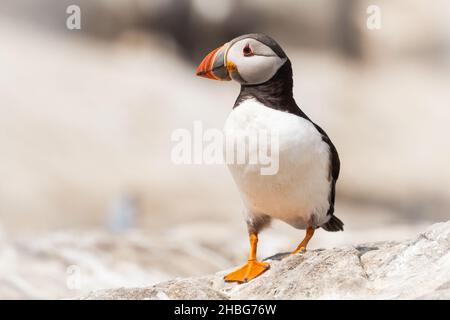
column 248, row 272
column 298, row 250
column 302, row 246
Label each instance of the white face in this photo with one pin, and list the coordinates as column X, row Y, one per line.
column 255, row 62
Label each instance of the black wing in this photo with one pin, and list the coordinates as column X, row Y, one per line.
column 334, row 224
column 335, row 166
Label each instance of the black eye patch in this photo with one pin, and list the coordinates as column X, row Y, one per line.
column 247, row 51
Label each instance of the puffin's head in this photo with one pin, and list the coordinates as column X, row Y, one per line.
column 249, row 59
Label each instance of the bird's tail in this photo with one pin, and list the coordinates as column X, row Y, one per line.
column 334, row 224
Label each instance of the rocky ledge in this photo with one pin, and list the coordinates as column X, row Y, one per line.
column 412, row 269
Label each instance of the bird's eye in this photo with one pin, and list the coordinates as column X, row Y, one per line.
column 248, row 51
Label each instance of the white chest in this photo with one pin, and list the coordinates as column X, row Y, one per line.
column 298, row 191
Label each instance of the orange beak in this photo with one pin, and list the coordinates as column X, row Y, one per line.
column 214, row 65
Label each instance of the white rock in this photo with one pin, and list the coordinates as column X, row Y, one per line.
column 413, row 269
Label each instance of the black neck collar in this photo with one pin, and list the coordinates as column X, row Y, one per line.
column 275, row 93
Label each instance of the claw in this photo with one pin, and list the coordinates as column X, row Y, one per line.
column 302, row 246
column 299, row 250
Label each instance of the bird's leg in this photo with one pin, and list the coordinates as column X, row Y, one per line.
column 252, row 269
column 302, row 246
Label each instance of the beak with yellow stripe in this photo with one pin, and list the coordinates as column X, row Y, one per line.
column 214, row 66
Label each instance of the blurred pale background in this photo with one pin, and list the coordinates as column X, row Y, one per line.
column 89, row 196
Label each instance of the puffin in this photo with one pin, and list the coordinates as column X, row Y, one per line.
column 302, row 191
